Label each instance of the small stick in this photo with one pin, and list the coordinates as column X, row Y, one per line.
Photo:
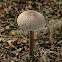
column 31, row 43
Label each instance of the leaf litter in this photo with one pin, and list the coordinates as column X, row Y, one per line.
column 14, row 44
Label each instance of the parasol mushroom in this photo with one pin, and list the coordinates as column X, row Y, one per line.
column 31, row 21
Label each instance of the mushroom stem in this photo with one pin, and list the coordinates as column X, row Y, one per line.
column 31, row 43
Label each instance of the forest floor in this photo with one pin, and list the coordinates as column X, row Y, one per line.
column 14, row 42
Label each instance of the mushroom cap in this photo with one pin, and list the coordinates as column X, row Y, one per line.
column 31, row 21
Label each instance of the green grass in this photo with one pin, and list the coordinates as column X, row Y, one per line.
column 1, row 25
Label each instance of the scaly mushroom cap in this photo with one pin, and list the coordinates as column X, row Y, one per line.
column 31, row 20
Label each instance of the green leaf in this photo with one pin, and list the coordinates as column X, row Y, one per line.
column 7, row 13
column 14, row 3
column 55, row 55
column 1, row 0
column 0, row 20
column 15, row 19
column 22, row 61
column 47, row 12
column 58, row 3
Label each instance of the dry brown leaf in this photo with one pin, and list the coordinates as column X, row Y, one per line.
column 2, row 39
column 28, row 2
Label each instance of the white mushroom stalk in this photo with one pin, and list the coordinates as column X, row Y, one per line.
column 31, row 21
